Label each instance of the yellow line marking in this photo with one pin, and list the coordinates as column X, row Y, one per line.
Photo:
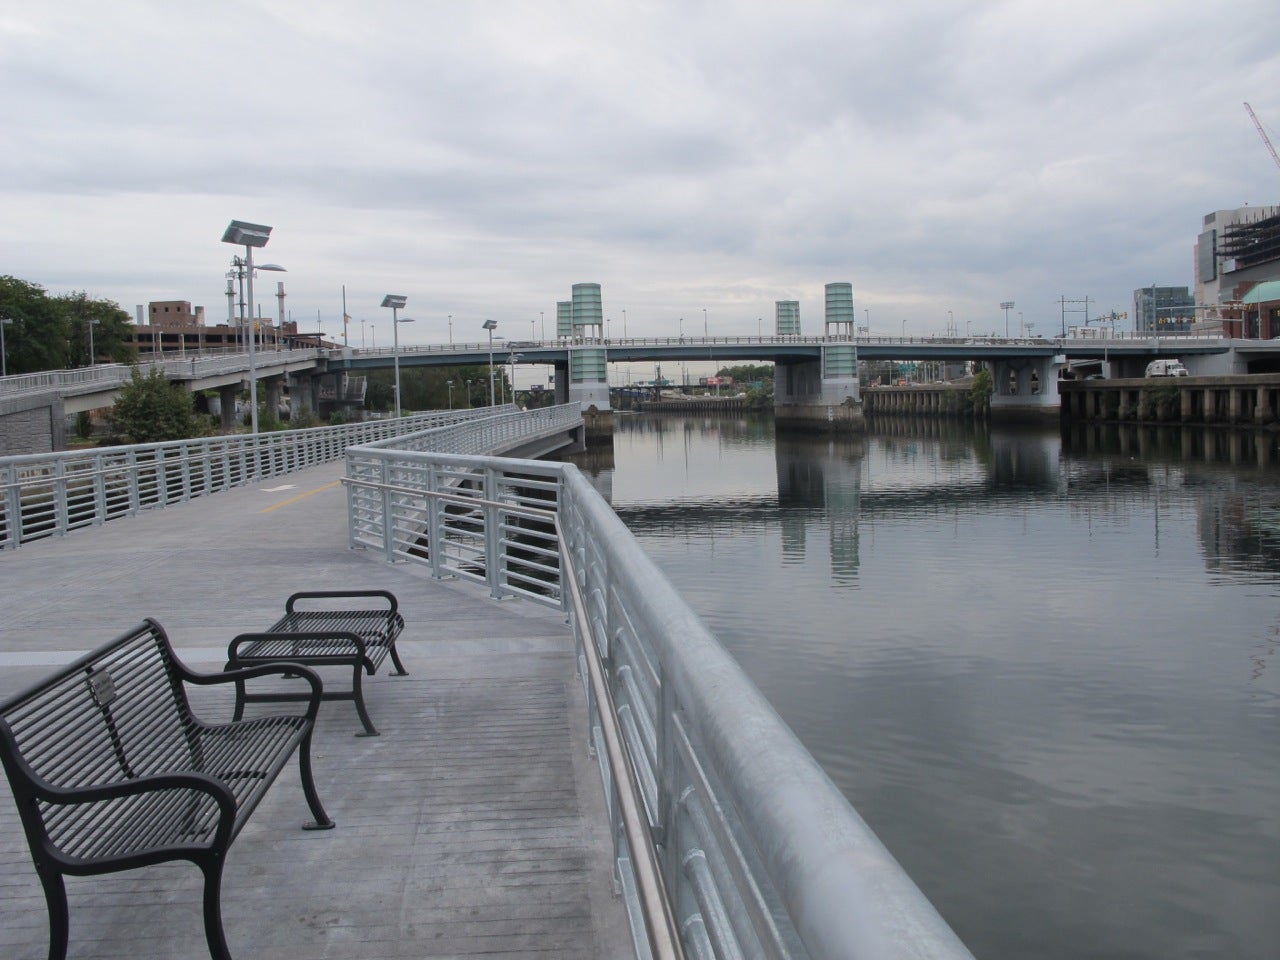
column 302, row 496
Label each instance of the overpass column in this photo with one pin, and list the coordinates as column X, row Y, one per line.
column 274, row 386
column 227, row 401
column 1187, row 405
column 302, row 399
column 1234, row 404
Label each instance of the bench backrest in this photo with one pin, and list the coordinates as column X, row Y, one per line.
column 117, row 713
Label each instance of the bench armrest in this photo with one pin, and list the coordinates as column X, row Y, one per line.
column 262, row 670
column 387, row 595
column 359, row 647
column 36, row 787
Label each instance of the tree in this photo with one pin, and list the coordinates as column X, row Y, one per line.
column 151, row 409
column 52, row 333
column 110, row 335
column 980, row 391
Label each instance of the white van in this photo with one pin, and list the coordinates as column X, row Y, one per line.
column 1166, row 368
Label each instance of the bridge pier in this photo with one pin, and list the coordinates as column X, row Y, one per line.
column 274, row 387
column 227, row 403
column 804, row 397
column 1026, row 388
column 302, row 394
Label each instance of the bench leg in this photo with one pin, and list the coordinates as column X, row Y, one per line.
column 322, row 821
column 213, row 934
column 55, row 895
column 357, row 694
column 395, row 658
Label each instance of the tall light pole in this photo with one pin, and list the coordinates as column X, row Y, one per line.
column 542, row 315
column 396, row 302
column 491, row 325
column 451, row 329
column 250, row 235
column 704, row 323
column 92, row 354
column 513, row 358
column 682, row 328
column 867, row 329
column 449, row 384
column 624, row 324
column 1006, row 306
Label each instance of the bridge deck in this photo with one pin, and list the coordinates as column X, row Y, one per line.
column 473, row 826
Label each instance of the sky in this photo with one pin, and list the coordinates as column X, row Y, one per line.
column 482, row 157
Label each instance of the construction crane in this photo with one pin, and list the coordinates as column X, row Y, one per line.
column 1262, row 133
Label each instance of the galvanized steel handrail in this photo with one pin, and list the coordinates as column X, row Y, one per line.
column 663, row 935
column 760, row 853
column 191, row 366
column 51, row 494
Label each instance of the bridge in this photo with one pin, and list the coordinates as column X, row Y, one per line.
column 612, row 787
column 816, row 377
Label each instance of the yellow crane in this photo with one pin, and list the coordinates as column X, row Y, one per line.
column 1262, row 133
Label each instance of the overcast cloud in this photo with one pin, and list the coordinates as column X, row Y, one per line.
column 482, row 157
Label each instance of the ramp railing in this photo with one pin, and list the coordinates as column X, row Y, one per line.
column 730, row 841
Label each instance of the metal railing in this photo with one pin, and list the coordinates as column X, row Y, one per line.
column 757, row 853
column 106, row 375
column 52, row 494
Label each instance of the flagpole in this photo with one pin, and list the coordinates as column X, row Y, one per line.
column 345, row 318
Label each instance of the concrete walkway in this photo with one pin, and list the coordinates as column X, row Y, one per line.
column 473, row 826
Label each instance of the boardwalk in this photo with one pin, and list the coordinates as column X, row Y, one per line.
column 473, row 826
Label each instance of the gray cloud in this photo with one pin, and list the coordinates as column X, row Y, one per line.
column 483, row 157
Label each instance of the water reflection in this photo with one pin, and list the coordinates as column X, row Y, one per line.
column 1038, row 664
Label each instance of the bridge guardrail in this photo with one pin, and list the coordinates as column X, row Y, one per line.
column 759, row 853
column 113, row 374
column 52, row 494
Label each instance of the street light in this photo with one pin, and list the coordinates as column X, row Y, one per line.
column 513, row 358
column 624, row 324
column 396, row 302
column 250, row 235
column 704, row 323
column 451, row 329
column 92, row 354
column 491, row 325
column 449, row 384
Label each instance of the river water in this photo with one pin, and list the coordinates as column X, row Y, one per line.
column 1041, row 666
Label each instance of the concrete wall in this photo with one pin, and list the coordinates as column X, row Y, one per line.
column 32, row 424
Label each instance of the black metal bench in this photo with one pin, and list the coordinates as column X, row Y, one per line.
column 111, row 770
column 332, row 635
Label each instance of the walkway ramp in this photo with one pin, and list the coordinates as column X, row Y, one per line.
column 473, row 826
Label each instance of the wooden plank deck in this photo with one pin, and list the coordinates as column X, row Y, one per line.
column 474, row 826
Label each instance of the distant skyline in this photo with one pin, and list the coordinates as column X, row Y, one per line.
column 480, row 158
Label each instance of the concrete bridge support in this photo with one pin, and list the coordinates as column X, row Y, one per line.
column 588, row 377
column 273, row 390
column 819, row 393
column 1026, row 388
column 227, row 405
column 303, row 394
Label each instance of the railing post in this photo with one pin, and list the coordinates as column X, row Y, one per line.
column 99, row 492
column 388, row 541
column 10, row 533
column 60, row 497
column 494, row 563
column 435, row 528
